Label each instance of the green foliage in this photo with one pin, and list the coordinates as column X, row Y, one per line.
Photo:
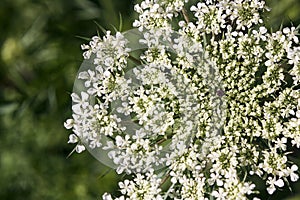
column 39, row 58
column 284, row 12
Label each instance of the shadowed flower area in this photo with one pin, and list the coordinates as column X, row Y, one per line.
column 39, row 59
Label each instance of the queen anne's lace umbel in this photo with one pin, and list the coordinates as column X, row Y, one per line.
column 182, row 147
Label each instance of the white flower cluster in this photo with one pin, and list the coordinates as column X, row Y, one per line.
column 141, row 187
column 109, row 57
column 157, row 13
column 203, row 112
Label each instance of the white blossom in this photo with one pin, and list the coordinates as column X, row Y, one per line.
column 209, row 103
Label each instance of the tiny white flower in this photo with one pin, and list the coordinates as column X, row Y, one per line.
column 271, row 189
column 279, row 183
column 73, row 138
column 79, row 148
column 293, row 175
column 68, row 124
column 106, row 196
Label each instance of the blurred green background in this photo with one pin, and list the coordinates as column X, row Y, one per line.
column 39, row 58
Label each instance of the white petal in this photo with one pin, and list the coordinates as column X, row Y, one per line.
column 83, row 75
column 91, row 91
column 84, row 46
column 263, row 30
column 215, row 194
column 294, row 168
column 292, row 112
column 294, row 177
column 219, row 182
column 84, row 96
column 77, row 109
column 298, row 114
column 69, row 123
column 286, row 30
column 80, row 148
column 279, row 183
column 106, row 73
column 268, row 63
column 119, row 141
column 106, row 196
column 271, row 189
column 75, row 98
column 73, row 138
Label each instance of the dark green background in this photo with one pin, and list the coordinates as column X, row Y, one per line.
column 39, row 57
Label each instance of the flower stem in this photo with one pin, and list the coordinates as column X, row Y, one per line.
column 185, row 15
